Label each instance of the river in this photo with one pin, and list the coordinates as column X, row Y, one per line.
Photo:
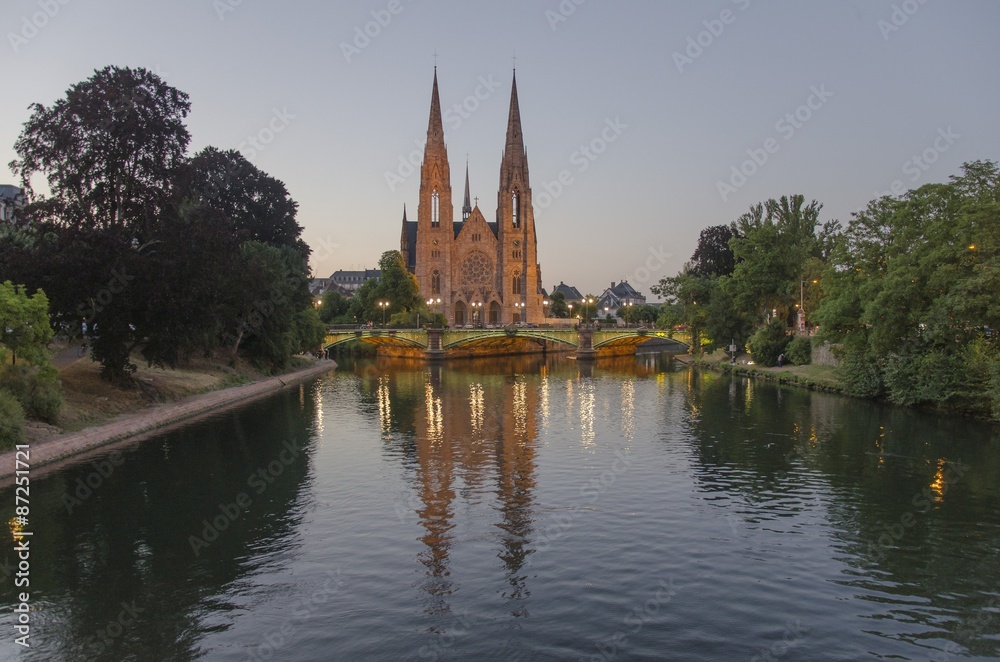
column 522, row 509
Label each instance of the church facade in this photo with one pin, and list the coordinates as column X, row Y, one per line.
column 475, row 271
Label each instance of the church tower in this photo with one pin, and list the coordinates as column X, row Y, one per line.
column 435, row 228
column 518, row 269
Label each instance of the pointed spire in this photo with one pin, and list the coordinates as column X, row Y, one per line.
column 404, row 212
column 435, row 129
column 514, row 166
column 467, row 207
column 515, row 141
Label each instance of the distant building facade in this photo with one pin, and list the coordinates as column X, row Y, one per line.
column 618, row 296
column 11, row 199
column 481, row 271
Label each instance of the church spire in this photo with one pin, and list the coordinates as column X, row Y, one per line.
column 435, row 129
column 404, row 212
column 515, row 161
column 467, row 208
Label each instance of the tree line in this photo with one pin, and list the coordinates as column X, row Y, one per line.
column 141, row 247
column 908, row 290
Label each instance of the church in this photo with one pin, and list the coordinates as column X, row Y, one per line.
column 483, row 272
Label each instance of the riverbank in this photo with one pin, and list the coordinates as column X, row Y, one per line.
column 157, row 417
column 813, row 377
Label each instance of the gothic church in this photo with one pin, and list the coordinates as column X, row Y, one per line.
column 482, row 272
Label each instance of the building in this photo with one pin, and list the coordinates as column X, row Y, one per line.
column 570, row 293
column 353, row 280
column 617, row 296
column 481, row 271
column 11, row 198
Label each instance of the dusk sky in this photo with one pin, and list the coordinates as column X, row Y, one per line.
column 836, row 100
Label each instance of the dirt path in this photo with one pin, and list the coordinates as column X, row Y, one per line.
column 155, row 418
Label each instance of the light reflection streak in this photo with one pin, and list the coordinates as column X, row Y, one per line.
column 384, row 406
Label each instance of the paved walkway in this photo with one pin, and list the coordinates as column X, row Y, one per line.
column 130, row 425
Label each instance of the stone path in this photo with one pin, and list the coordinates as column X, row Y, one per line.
column 158, row 416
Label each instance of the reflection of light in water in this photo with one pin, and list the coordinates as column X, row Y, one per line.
column 477, row 407
column 749, row 396
column 384, row 405
column 319, row 412
column 435, row 415
column 628, row 410
column 520, row 407
column 880, row 445
column 16, row 528
column 937, row 486
column 587, row 401
column 543, row 391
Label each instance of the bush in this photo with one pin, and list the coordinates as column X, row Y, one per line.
column 768, row 343
column 35, row 389
column 11, row 421
column 799, row 350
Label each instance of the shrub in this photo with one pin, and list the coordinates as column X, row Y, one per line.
column 768, row 343
column 11, row 421
column 799, row 350
column 35, row 389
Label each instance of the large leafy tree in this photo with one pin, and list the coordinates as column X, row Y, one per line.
column 557, row 305
column 107, row 150
column 398, row 286
column 713, row 257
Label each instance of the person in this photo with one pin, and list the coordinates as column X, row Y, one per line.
column 781, row 360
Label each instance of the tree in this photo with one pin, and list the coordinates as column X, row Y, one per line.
column 557, row 306
column 333, row 306
column 108, row 151
column 24, row 323
column 398, row 286
column 257, row 205
column 713, row 257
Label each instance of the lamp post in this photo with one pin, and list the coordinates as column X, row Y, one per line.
column 432, row 302
column 384, row 305
column 476, row 305
column 519, row 307
column 570, row 306
column 586, row 310
column 628, row 304
column 545, row 308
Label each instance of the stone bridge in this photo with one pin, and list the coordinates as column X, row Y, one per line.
column 585, row 342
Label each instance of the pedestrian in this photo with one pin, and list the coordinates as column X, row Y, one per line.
column 781, row 360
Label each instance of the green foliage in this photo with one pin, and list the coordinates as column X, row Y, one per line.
column 36, row 389
column 914, row 292
column 557, row 306
column 11, row 421
column 769, row 342
column 24, row 323
column 333, row 307
column 309, row 330
column 799, row 350
column 398, row 286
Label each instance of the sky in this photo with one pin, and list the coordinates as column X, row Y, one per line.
column 644, row 121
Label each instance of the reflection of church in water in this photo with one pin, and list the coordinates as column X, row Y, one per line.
column 471, row 439
column 481, row 271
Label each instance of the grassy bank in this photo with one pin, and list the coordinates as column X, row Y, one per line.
column 814, row 377
column 92, row 401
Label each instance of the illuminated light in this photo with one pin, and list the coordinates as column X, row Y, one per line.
column 937, row 485
column 972, row 247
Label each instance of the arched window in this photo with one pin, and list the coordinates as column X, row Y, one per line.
column 436, row 282
column 515, row 206
column 516, row 284
column 435, row 209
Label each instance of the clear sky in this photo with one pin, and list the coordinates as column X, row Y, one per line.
column 666, row 96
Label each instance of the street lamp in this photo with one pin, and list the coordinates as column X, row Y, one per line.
column 586, row 310
column 476, row 305
column 384, row 305
column 545, row 309
column 570, row 306
column 628, row 304
column 607, row 311
column 519, row 308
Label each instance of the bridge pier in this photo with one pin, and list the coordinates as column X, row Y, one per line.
column 435, row 341
column 585, row 349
